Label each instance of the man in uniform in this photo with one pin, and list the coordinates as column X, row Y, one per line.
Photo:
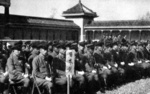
column 3, row 73
column 91, row 76
column 59, row 67
column 16, row 69
column 102, row 69
column 34, row 53
column 41, row 69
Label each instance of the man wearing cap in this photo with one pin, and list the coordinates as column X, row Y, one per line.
column 41, row 69
column 34, row 53
column 3, row 73
column 132, row 72
column 147, row 52
column 16, row 69
column 102, row 69
column 93, row 84
column 59, row 67
column 78, row 77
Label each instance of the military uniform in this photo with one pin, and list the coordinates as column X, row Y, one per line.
column 41, row 70
column 34, row 53
column 91, row 76
column 16, row 69
column 59, row 74
column 3, row 78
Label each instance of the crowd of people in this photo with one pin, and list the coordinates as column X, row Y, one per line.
column 99, row 65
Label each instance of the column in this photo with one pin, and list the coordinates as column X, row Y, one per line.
column 130, row 35
column 120, row 32
column 93, row 34
column 110, row 32
column 102, row 34
column 140, row 35
column 86, row 37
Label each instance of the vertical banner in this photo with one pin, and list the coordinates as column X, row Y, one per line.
column 5, row 3
column 70, row 60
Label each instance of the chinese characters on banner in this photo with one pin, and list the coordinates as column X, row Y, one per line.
column 70, row 60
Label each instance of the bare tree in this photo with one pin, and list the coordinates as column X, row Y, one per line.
column 145, row 17
column 53, row 12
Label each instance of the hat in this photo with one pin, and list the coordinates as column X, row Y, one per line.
column 61, row 46
column 43, row 45
column 115, row 43
column 54, row 44
column 18, row 43
column 50, row 43
column 82, row 44
column 35, row 44
column 68, row 45
column 74, row 46
column 99, row 44
column 90, row 46
column 16, row 47
column 133, row 43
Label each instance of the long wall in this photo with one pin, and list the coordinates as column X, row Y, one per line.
column 131, row 34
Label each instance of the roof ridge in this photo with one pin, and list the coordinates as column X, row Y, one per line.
column 88, row 8
column 80, row 4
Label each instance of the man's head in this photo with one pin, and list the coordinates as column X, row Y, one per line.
column 99, row 46
column 81, row 46
column 16, row 49
column 43, row 48
column 90, row 48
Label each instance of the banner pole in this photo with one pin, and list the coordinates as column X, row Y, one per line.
column 68, row 84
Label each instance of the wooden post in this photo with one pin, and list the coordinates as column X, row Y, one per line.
column 68, row 84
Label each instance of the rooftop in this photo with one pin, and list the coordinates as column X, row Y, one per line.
column 80, row 10
column 28, row 20
column 120, row 23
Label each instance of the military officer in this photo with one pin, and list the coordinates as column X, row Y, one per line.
column 41, row 69
column 16, row 68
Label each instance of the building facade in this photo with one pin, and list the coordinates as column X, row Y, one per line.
column 35, row 28
column 94, row 30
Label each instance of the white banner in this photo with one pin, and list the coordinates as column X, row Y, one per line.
column 70, row 62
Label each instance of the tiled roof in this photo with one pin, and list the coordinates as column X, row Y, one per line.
column 80, row 8
column 26, row 20
column 120, row 23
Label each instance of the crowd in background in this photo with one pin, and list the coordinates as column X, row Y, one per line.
column 99, row 65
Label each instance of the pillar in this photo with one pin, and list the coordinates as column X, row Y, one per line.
column 110, row 32
column 102, row 33
column 86, row 35
column 140, row 35
column 93, row 34
column 130, row 35
column 120, row 32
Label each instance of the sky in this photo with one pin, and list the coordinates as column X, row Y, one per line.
column 105, row 9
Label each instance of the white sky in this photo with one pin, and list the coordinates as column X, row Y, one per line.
column 106, row 9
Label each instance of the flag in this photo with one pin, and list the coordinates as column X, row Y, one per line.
column 5, row 3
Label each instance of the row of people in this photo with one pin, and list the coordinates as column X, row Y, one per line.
column 98, row 65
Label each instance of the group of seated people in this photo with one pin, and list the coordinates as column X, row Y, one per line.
column 98, row 65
